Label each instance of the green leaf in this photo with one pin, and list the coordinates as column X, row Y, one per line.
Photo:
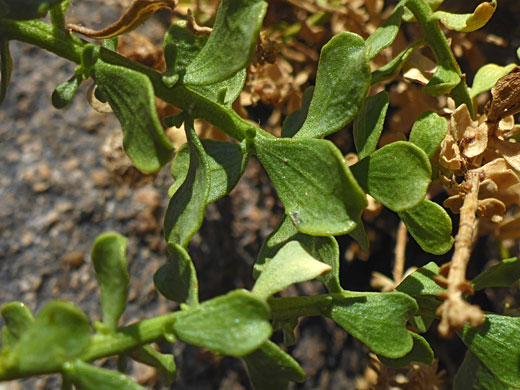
column 423, row 288
column 360, row 235
column 342, row 83
column 58, row 334
column 487, row 76
column 397, row 175
column 324, row 249
column 25, row 9
column 467, row 22
column 231, row 44
column 392, row 68
column 186, row 209
column 18, row 318
column 421, row 352
column 177, row 279
column 368, row 124
column 234, row 324
column 430, row 225
column 88, row 377
column 504, row 274
column 181, row 47
column 377, row 319
column 443, row 81
column 495, row 344
column 314, row 183
column 109, row 258
column 165, row 363
column 227, row 163
column 294, row 121
column 421, row 282
column 6, row 68
column 64, row 93
column 131, row 96
column 428, row 132
column 292, row 264
column 473, row 375
column 385, row 35
column 270, row 368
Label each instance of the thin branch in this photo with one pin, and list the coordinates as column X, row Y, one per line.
column 455, row 311
column 400, row 249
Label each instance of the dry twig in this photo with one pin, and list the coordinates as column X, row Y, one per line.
column 455, row 311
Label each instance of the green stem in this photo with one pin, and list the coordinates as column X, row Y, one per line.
column 70, row 47
column 295, row 307
column 441, row 49
column 129, row 337
column 101, row 345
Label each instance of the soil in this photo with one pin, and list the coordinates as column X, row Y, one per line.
column 58, row 193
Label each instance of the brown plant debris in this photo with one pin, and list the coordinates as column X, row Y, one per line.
column 412, row 377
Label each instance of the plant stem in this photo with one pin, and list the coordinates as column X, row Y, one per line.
column 455, row 311
column 70, row 47
column 124, row 339
column 400, row 252
column 441, row 49
column 129, row 337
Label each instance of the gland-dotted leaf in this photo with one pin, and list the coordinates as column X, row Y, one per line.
column 376, row 319
column 443, row 81
column 368, row 124
column 324, row 248
column 294, row 121
column 165, row 363
column 109, row 258
column 421, row 352
column 487, row 76
column 18, row 318
column 342, row 83
column 88, row 377
column 186, row 209
column 467, row 22
column 392, row 68
column 59, row 333
column 292, row 264
column 6, row 68
column 270, row 368
column 234, row 324
column 430, row 225
column 181, row 47
column 397, row 175
column 473, row 375
column 495, row 344
column 504, row 274
column 385, row 35
column 177, row 279
column 64, row 93
column 227, row 163
column 131, row 96
column 428, row 132
column 26, row 9
column 314, row 183
column 231, row 44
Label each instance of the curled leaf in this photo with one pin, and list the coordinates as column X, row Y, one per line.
column 487, row 76
column 467, row 22
column 6, row 68
column 136, row 14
